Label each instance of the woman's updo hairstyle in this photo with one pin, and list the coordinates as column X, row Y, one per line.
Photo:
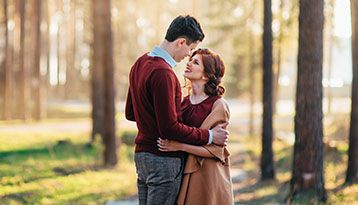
column 214, row 70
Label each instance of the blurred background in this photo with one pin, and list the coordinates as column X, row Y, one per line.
column 51, row 150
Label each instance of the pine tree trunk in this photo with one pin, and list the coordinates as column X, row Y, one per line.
column 39, row 110
column 104, row 61
column 352, row 170
column 307, row 169
column 267, row 165
column 8, row 95
column 3, row 62
column 70, row 53
column 59, row 57
column 46, row 45
column 97, row 82
column 24, row 74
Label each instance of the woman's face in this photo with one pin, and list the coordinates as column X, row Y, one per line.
column 195, row 69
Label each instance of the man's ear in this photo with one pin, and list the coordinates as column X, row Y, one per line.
column 181, row 41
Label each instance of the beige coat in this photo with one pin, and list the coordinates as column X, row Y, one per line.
column 207, row 181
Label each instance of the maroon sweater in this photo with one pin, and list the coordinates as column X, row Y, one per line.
column 153, row 102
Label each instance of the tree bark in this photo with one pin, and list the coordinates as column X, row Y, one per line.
column 352, row 169
column 24, row 74
column 47, row 39
column 59, row 57
column 267, row 165
column 97, row 83
column 70, row 53
column 39, row 110
column 8, row 89
column 307, row 168
column 103, row 62
column 3, row 63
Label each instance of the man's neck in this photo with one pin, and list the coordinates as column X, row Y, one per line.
column 166, row 45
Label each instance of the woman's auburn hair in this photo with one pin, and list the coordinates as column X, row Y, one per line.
column 214, row 70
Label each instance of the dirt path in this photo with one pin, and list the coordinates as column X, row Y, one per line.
column 70, row 126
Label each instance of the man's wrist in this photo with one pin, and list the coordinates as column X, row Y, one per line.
column 210, row 140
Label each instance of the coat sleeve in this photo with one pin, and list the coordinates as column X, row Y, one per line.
column 219, row 113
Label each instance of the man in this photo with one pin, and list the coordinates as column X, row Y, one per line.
column 153, row 102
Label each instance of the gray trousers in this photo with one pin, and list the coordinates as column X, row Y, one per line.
column 159, row 178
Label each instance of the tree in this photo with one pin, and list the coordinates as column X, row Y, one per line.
column 70, row 51
column 307, row 168
column 59, row 46
column 24, row 74
column 47, row 41
column 103, row 62
column 97, row 83
column 8, row 88
column 3, row 62
column 352, row 169
column 267, row 165
column 39, row 110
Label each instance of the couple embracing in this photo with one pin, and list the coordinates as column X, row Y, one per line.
column 180, row 152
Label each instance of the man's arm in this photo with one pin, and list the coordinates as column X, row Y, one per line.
column 163, row 86
column 129, row 107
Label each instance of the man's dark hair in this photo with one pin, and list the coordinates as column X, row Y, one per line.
column 185, row 27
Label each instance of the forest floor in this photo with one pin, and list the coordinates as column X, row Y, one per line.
column 51, row 162
column 249, row 189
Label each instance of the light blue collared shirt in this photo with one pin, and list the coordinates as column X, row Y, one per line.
column 159, row 52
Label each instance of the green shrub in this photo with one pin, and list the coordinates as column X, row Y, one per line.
column 128, row 136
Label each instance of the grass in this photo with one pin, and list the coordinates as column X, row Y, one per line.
column 61, row 168
column 253, row 191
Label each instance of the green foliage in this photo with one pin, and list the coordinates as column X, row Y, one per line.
column 128, row 136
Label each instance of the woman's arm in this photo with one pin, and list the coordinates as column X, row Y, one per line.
column 172, row 146
column 220, row 113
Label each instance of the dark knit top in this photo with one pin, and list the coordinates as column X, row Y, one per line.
column 195, row 114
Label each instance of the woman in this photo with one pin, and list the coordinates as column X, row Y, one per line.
column 206, row 177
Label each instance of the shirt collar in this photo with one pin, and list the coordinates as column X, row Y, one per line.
column 160, row 52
